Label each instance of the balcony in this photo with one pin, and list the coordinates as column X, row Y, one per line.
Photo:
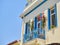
column 34, row 34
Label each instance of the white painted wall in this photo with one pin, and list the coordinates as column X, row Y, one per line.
column 22, row 33
column 50, row 36
column 54, row 37
column 39, row 10
column 35, row 42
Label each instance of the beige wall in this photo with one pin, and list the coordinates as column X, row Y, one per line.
column 54, row 37
column 36, row 41
column 39, row 10
column 50, row 36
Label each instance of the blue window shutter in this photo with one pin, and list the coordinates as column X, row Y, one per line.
column 44, row 34
column 26, row 28
column 55, row 14
column 35, row 23
column 49, row 19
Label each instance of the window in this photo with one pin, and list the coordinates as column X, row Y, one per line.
column 27, row 30
column 52, row 11
column 38, row 18
column 43, row 21
column 32, row 25
column 52, row 17
column 41, row 26
column 38, row 25
column 53, row 20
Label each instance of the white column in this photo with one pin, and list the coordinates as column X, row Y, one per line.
column 22, row 32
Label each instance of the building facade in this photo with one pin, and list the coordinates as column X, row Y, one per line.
column 41, row 24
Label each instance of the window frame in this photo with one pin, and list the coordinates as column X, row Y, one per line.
column 50, row 26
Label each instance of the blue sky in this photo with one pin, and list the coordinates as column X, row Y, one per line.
column 10, row 23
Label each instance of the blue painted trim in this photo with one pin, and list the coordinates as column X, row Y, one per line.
column 56, row 14
column 26, row 28
column 35, row 23
column 35, row 8
column 44, row 34
column 49, row 19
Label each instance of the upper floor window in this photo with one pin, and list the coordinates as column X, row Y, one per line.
column 52, row 17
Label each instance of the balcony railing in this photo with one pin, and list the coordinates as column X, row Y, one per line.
column 34, row 34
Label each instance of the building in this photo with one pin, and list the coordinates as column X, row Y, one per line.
column 15, row 43
column 41, row 23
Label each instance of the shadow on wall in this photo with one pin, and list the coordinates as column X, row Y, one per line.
column 54, row 44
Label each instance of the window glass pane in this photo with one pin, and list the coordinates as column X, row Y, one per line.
column 38, row 25
column 32, row 25
column 43, row 21
column 53, row 21
column 52, row 11
column 27, row 27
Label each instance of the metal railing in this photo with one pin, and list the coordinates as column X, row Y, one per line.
column 32, row 35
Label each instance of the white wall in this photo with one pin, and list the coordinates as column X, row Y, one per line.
column 40, row 9
column 50, row 36
column 54, row 37
column 36, row 41
column 22, row 32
